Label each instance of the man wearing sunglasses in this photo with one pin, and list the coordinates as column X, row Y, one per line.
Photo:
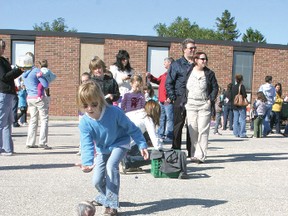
column 176, row 88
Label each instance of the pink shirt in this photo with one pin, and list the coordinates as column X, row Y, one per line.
column 133, row 101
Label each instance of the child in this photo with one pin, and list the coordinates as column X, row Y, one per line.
column 219, row 110
column 134, row 99
column 86, row 208
column 149, row 93
column 47, row 74
column 108, row 85
column 85, row 77
column 147, row 120
column 111, row 130
column 260, row 107
column 22, row 103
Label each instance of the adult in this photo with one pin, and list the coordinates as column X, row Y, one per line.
column 228, row 112
column 276, row 109
column 36, row 107
column 270, row 93
column 7, row 94
column 107, row 83
column 201, row 92
column 165, row 130
column 176, row 88
column 122, row 72
column 239, row 112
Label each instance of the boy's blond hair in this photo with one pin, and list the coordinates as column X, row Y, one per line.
column 90, row 92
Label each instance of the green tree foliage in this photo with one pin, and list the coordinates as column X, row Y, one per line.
column 254, row 36
column 226, row 26
column 58, row 25
column 182, row 28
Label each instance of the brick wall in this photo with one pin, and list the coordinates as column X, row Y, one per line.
column 63, row 55
column 136, row 49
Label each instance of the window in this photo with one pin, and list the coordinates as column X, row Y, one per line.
column 243, row 64
column 21, row 48
column 156, row 56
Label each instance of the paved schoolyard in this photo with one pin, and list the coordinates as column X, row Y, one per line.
column 240, row 177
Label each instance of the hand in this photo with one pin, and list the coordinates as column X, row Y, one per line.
column 85, row 169
column 168, row 101
column 145, row 154
column 126, row 77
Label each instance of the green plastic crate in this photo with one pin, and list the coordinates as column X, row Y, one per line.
column 155, row 170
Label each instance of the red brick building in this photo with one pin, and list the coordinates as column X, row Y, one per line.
column 69, row 55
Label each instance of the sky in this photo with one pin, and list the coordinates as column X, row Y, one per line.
column 138, row 17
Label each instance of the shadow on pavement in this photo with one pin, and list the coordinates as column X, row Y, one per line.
column 247, row 157
column 166, row 204
column 37, row 166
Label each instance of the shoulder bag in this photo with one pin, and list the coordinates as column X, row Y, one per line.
column 239, row 100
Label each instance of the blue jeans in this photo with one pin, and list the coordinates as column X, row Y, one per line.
column 106, row 177
column 266, row 121
column 166, row 121
column 239, row 122
column 228, row 113
column 218, row 121
column 6, row 120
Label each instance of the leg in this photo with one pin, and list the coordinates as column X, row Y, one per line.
column 236, row 128
column 134, row 159
column 42, row 107
column 225, row 117
column 266, row 121
column 231, row 117
column 204, row 116
column 169, row 120
column 161, row 130
column 179, row 120
column 218, row 119
column 33, row 123
column 6, row 120
column 113, row 177
column 277, row 122
column 15, row 109
column 192, row 124
column 242, row 121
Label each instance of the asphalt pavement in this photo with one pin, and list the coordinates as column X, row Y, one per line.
column 241, row 176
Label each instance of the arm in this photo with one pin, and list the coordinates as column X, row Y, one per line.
column 170, row 82
column 153, row 79
column 243, row 91
column 116, row 93
column 134, row 132
column 11, row 75
column 124, row 102
column 151, row 130
column 215, row 88
column 87, row 144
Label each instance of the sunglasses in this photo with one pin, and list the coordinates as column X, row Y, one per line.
column 92, row 105
column 191, row 48
column 203, row 59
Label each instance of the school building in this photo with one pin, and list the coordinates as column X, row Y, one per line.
column 69, row 54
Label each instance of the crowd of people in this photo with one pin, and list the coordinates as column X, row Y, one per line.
column 120, row 116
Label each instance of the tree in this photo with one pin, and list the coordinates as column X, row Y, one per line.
column 182, row 28
column 58, row 25
column 253, row 36
column 227, row 27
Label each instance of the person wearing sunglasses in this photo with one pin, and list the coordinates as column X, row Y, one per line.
column 175, row 86
column 7, row 94
column 201, row 92
column 107, row 128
